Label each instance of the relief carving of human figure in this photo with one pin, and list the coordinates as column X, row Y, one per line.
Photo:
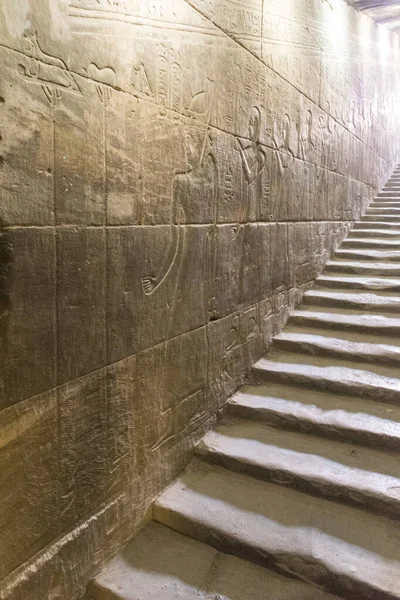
column 284, row 157
column 253, row 159
column 201, row 168
column 302, row 196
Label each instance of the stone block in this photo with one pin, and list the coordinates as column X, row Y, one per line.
column 26, row 148
column 29, row 479
column 281, row 257
column 235, row 280
column 234, row 343
column 81, row 301
column 27, row 313
column 80, row 158
column 83, row 447
column 157, row 285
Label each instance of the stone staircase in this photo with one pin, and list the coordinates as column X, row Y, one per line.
column 296, row 494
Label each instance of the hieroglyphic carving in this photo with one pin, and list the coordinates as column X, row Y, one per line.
column 305, row 131
column 253, row 159
column 200, row 162
column 46, row 70
column 284, row 160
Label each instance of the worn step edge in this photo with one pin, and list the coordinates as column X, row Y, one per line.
column 364, row 254
column 293, row 415
column 386, row 225
column 362, row 282
column 374, row 325
column 304, row 552
column 359, row 268
column 362, row 301
column 309, row 473
column 380, row 217
column 342, row 380
column 374, row 233
column 372, row 243
column 316, row 345
column 162, row 564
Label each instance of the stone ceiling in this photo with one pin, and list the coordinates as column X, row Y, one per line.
column 386, row 12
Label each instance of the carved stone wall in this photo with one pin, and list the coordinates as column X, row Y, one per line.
column 173, row 175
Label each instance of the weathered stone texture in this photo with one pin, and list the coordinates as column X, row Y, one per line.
column 173, row 175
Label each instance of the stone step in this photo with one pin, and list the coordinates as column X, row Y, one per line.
column 390, row 219
column 358, row 282
column 356, row 420
column 360, row 301
column 337, row 347
column 392, row 188
column 359, row 242
column 161, row 564
column 366, row 254
column 371, row 210
column 367, row 268
column 388, row 194
column 381, row 225
column 380, row 217
column 327, row 468
column 375, row 325
column 384, row 203
column 374, row 233
column 342, row 377
column 314, row 539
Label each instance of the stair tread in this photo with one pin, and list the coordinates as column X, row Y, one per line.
column 373, row 254
column 363, row 264
column 350, row 348
column 334, row 464
column 282, row 526
column 377, row 232
column 370, row 241
column 374, row 224
column 373, row 342
column 161, row 564
column 362, row 299
column 364, row 281
column 343, row 376
column 343, row 317
column 323, row 407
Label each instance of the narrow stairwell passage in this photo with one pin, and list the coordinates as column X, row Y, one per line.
column 296, row 493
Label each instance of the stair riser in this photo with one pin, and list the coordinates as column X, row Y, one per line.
column 352, row 285
column 375, row 225
column 360, row 256
column 301, row 425
column 380, row 218
column 286, row 563
column 352, row 304
column 315, row 350
column 371, row 244
column 367, row 271
column 389, row 194
column 361, row 233
column 315, row 487
column 384, row 205
column 388, row 212
column 318, row 383
column 391, row 332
